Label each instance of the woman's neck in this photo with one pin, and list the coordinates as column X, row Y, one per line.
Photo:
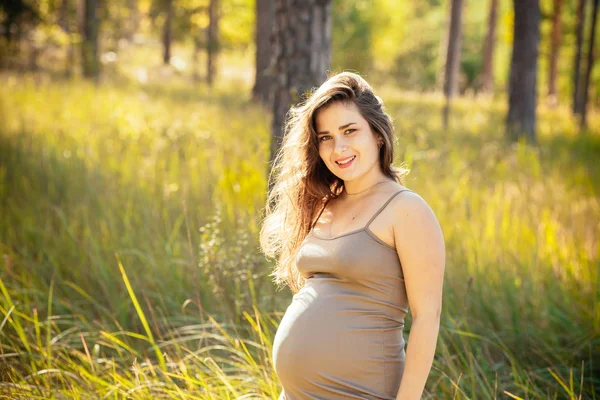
column 364, row 183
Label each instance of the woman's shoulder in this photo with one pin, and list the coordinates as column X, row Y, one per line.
column 399, row 193
column 410, row 208
column 406, row 198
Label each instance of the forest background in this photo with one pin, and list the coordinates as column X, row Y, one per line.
column 134, row 148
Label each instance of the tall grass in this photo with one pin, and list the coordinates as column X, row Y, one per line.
column 130, row 263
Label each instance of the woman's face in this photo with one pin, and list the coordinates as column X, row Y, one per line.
column 347, row 145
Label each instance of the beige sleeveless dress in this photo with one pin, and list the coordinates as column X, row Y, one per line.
column 342, row 335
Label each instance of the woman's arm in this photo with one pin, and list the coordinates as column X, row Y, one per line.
column 419, row 357
column 420, row 246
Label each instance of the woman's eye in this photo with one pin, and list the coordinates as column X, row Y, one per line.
column 327, row 137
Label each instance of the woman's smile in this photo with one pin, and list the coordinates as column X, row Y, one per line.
column 345, row 162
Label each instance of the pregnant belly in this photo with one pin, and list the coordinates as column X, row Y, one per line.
column 334, row 337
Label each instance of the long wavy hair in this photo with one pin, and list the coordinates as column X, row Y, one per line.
column 300, row 181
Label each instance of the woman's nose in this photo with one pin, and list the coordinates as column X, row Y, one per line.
column 340, row 146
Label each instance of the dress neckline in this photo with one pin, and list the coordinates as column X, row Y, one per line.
column 364, row 228
column 312, row 232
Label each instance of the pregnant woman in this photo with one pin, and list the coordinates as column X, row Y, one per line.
column 356, row 247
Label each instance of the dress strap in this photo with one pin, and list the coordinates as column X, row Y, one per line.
column 384, row 205
column 320, row 212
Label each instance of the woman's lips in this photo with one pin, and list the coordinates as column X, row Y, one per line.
column 347, row 164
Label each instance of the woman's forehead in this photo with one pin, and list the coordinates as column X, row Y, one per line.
column 337, row 113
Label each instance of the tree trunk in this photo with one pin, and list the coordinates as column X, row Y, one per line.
column 133, row 19
column 264, row 29
column 577, row 82
column 554, row 50
column 63, row 15
column 65, row 23
column 167, row 32
column 589, row 67
column 34, row 53
column 212, row 44
column 453, row 56
column 523, row 71
column 442, row 54
column 488, row 51
column 195, row 59
column 89, row 45
column 302, row 52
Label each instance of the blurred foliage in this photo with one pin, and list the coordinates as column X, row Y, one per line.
column 352, row 47
column 402, row 43
column 14, row 14
column 191, row 19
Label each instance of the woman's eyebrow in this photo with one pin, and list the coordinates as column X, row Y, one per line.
column 340, row 128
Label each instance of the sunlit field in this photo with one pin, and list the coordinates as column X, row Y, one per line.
column 129, row 220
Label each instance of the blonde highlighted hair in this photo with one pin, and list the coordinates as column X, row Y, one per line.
column 301, row 182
